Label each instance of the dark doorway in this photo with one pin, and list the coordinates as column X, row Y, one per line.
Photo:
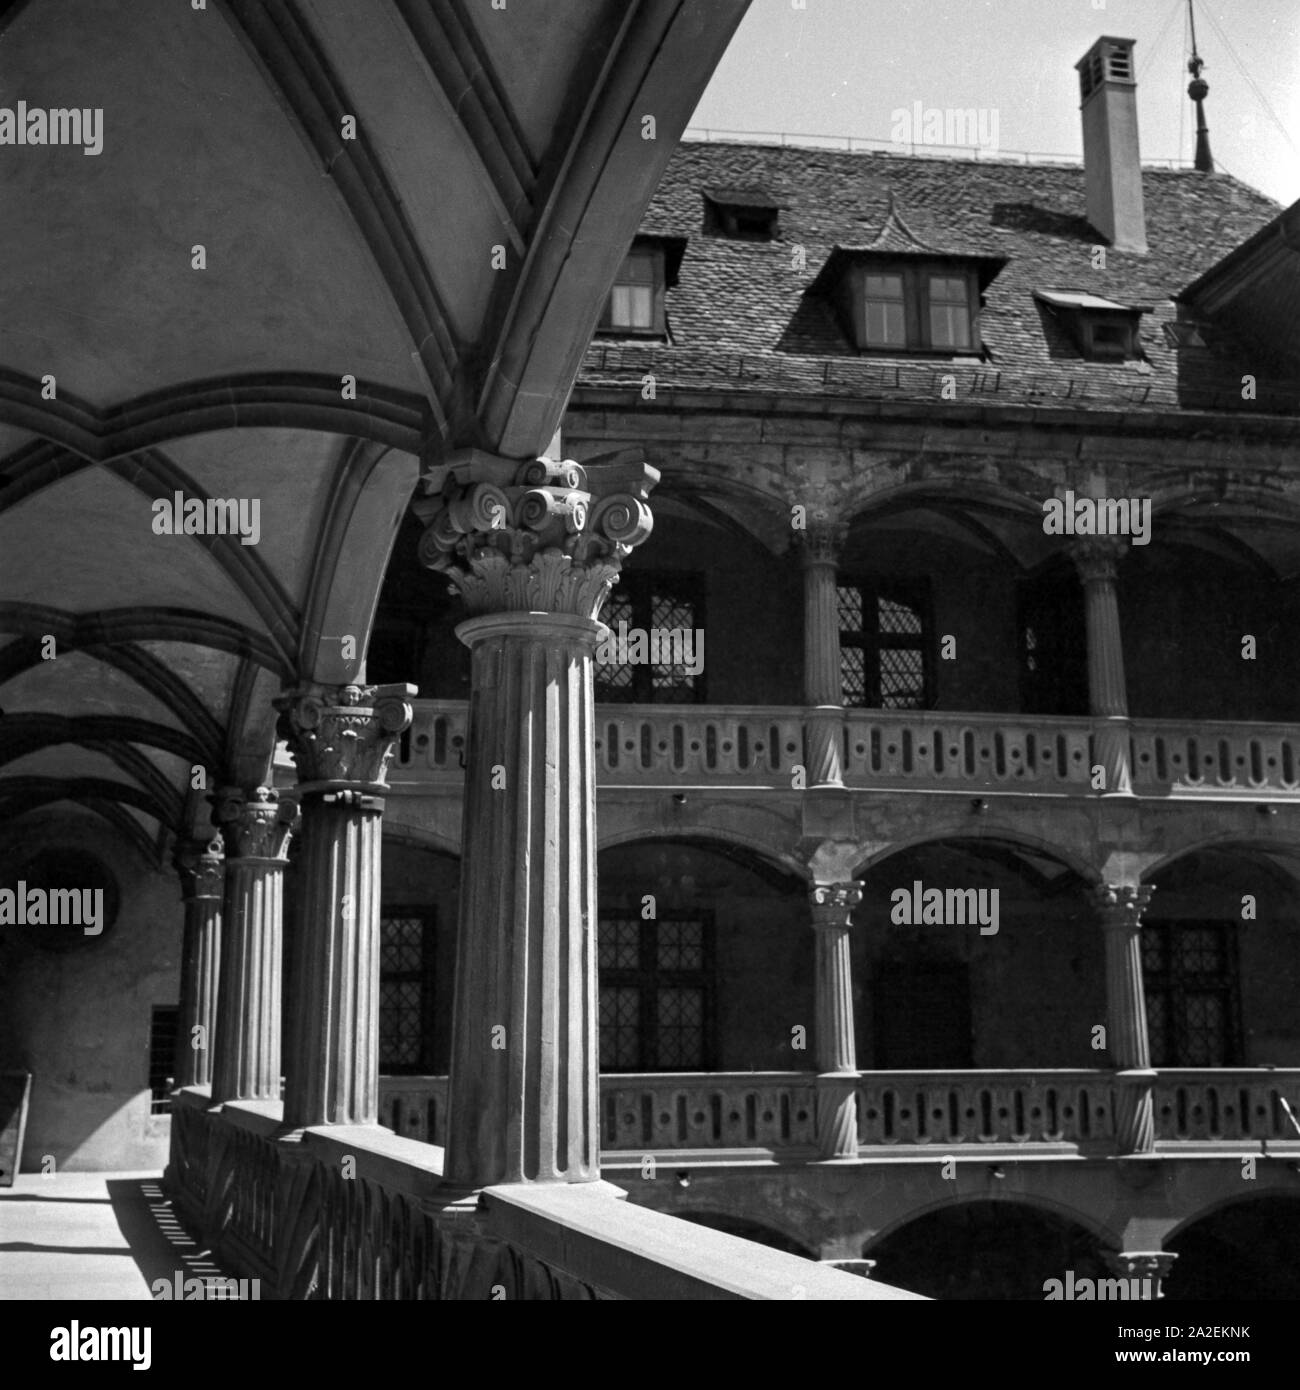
column 922, row 1016
column 1053, row 638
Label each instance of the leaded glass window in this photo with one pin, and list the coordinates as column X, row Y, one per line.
column 656, row 992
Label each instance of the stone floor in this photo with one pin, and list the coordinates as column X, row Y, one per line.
column 92, row 1236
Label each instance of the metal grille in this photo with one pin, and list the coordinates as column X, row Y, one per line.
column 656, row 992
column 399, row 1023
column 897, row 617
column 619, row 947
column 884, row 646
column 656, row 605
column 1189, row 973
column 405, row 990
column 401, row 943
column 620, row 1028
column 680, row 944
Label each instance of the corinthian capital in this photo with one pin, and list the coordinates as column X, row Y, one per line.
column 255, row 823
column 1097, row 558
column 822, row 541
column 539, row 536
column 201, row 865
column 833, row 903
column 1120, row 905
column 344, row 734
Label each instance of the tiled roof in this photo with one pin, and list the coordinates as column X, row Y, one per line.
column 744, row 316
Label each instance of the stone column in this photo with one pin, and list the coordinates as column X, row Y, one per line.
column 534, row 550
column 1120, row 907
column 1097, row 560
column 202, row 868
column 256, row 827
column 823, row 692
column 1151, row 1266
column 341, row 738
column 837, row 1066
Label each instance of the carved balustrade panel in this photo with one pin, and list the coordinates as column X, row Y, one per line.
column 708, row 1111
column 1228, row 1106
column 1246, row 758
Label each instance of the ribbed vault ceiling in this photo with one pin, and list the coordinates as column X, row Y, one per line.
column 426, row 198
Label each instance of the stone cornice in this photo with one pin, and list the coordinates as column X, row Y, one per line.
column 537, row 536
column 343, row 735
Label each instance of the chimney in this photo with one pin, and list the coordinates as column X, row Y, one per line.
column 1111, row 164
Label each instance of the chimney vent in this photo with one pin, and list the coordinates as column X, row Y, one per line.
column 1112, row 164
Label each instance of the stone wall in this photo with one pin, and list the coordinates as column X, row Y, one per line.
column 79, row 1019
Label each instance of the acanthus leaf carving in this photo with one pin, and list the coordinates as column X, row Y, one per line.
column 344, row 734
column 537, row 536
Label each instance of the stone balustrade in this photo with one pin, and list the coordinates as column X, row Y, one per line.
column 900, row 1108
column 1217, row 759
column 353, row 1212
column 760, row 746
column 414, row 1107
column 894, row 749
column 714, row 1110
column 1228, row 1106
column 776, row 1111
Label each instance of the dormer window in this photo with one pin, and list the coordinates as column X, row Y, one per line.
column 912, row 306
column 636, row 300
column 741, row 214
column 1103, row 330
column 635, row 307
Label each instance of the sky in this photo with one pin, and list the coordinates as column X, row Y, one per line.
column 844, row 67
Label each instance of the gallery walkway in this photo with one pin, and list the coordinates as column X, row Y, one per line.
column 92, row 1236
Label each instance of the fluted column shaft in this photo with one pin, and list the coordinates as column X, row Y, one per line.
column 1097, row 561
column 823, row 689
column 341, row 738
column 202, row 869
column 836, row 1052
column 256, row 827
column 1120, row 908
column 533, row 547
column 524, row 1083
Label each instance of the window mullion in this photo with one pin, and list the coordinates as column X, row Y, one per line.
column 917, row 300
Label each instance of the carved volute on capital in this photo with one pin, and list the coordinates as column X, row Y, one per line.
column 822, row 541
column 1121, row 905
column 344, row 733
column 832, row 904
column 254, row 824
column 1096, row 558
column 539, row 536
column 201, row 865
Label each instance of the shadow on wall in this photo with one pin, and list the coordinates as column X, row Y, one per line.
column 77, row 1009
